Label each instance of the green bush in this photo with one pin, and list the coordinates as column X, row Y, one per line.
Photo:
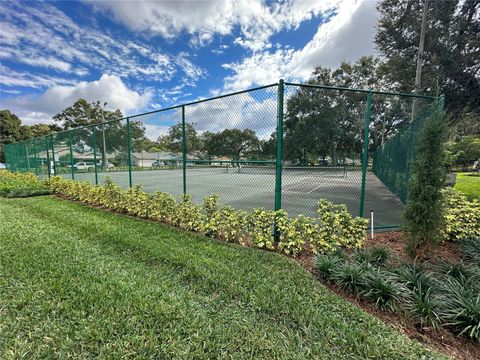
column 383, row 290
column 376, row 255
column 470, row 249
column 162, row 207
column 423, row 211
column 135, row 202
column 260, row 229
column 351, row 276
column 333, row 229
column 227, row 224
column 460, row 307
column 461, row 217
column 327, row 265
column 337, row 228
column 188, row 215
column 293, row 232
column 423, row 306
column 21, row 185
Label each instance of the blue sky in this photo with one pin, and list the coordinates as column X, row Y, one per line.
column 139, row 56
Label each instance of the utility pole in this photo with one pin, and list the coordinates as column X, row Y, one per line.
column 421, row 46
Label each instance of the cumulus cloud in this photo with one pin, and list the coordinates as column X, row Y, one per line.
column 256, row 19
column 42, row 36
column 109, row 89
column 347, row 36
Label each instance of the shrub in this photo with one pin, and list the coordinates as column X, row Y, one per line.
column 260, row 228
column 210, row 205
column 381, row 288
column 20, row 184
column 136, row 201
column 293, row 232
column 162, row 207
column 112, row 195
column 470, row 249
column 463, row 273
column 338, row 228
column 461, row 216
column 327, row 265
column 423, row 306
column 188, row 215
column 228, row 224
column 423, row 211
column 460, row 307
column 351, row 276
column 379, row 255
column 413, row 277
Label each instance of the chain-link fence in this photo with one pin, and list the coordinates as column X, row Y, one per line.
column 283, row 145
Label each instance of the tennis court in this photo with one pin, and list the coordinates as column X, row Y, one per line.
column 249, row 188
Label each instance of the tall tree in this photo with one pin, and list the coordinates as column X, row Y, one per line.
column 423, row 212
column 234, row 143
column 451, row 60
column 175, row 135
column 9, row 130
column 109, row 135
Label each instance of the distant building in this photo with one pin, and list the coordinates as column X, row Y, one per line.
column 146, row 159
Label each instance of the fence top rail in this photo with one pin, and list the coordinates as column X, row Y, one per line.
column 362, row 90
column 228, row 95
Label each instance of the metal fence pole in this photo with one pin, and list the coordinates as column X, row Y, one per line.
column 35, row 156
column 27, row 156
column 184, row 152
column 279, row 155
column 48, row 155
column 71, row 154
column 365, row 152
column 95, row 154
column 53, row 156
column 441, row 101
column 129, row 154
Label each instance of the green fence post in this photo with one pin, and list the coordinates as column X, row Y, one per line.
column 184, row 152
column 441, row 103
column 53, row 156
column 279, row 155
column 365, row 152
column 71, row 154
column 35, row 156
column 48, row 156
column 95, row 153
column 129, row 155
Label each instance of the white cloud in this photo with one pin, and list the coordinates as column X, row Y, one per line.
column 109, row 88
column 42, row 36
column 256, row 19
column 347, row 36
column 153, row 131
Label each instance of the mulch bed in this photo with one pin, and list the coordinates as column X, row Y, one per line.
column 442, row 340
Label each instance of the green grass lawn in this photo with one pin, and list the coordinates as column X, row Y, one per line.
column 468, row 185
column 77, row 282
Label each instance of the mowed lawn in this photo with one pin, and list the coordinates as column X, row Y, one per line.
column 77, row 282
column 468, row 185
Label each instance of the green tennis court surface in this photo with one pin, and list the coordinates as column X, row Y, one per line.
column 249, row 188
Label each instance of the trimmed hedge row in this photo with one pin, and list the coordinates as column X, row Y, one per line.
column 333, row 228
column 461, row 217
column 21, row 185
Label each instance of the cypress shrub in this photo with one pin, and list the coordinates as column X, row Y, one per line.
column 423, row 211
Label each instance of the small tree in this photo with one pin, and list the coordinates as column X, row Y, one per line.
column 423, row 212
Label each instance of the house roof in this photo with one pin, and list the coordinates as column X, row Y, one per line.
column 160, row 155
